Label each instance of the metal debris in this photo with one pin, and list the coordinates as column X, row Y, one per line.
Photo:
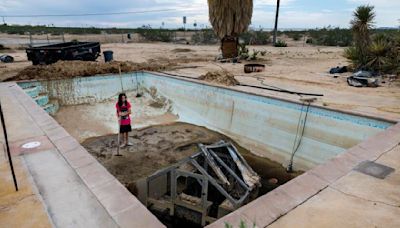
column 363, row 79
column 204, row 187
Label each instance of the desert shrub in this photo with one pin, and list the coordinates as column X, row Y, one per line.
column 378, row 52
column 296, row 37
column 331, row 37
column 280, row 43
column 245, row 54
column 255, row 37
column 383, row 54
column 205, row 36
column 162, row 35
column 2, row 47
column 243, row 51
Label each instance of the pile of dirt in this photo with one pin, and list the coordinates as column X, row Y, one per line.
column 71, row 69
column 221, row 77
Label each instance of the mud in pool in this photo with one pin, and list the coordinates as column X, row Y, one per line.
column 160, row 146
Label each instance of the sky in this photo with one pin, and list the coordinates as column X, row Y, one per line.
column 293, row 13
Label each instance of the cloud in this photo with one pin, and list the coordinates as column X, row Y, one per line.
column 378, row 3
column 293, row 13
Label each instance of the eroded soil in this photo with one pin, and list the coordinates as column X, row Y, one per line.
column 160, row 146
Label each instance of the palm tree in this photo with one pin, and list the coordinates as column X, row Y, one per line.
column 361, row 25
column 229, row 19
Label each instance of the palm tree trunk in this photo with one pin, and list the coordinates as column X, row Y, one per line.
column 276, row 21
column 229, row 47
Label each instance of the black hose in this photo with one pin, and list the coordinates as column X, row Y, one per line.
column 272, row 88
column 282, row 90
column 137, row 86
column 296, row 147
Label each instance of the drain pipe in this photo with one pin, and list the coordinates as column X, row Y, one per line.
column 306, row 101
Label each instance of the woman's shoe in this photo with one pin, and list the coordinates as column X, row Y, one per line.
column 129, row 144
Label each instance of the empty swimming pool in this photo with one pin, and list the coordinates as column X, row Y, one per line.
column 268, row 127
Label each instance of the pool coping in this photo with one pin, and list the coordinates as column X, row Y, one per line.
column 123, row 207
column 268, row 208
column 264, row 210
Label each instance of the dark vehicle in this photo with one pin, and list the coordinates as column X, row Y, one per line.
column 6, row 58
column 48, row 54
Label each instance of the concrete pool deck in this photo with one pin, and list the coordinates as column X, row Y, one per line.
column 74, row 190
column 333, row 194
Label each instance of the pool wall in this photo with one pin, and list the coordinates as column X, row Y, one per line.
column 84, row 90
column 267, row 126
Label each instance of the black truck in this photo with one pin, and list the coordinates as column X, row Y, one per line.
column 48, row 54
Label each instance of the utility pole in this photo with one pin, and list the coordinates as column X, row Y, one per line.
column 184, row 27
column 276, row 21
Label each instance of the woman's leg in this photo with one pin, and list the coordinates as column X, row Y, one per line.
column 126, row 138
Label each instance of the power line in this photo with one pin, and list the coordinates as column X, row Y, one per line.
column 89, row 14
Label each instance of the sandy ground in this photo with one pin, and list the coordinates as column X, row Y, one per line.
column 298, row 68
column 160, row 146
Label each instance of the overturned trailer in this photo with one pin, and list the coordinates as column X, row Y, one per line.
column 203, row 187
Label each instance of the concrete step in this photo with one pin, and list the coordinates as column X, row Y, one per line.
column 51, row 108
column 26, row 85
column 32, row 91
column 42, row 100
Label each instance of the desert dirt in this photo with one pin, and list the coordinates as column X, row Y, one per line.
column 297, row 67
column 160, row 146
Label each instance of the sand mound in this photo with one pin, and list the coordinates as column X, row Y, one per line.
column 70, row 69
column 221, row 77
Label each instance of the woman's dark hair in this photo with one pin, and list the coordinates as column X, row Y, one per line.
column 120, row 103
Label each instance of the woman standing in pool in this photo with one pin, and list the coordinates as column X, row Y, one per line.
column 123, row 113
